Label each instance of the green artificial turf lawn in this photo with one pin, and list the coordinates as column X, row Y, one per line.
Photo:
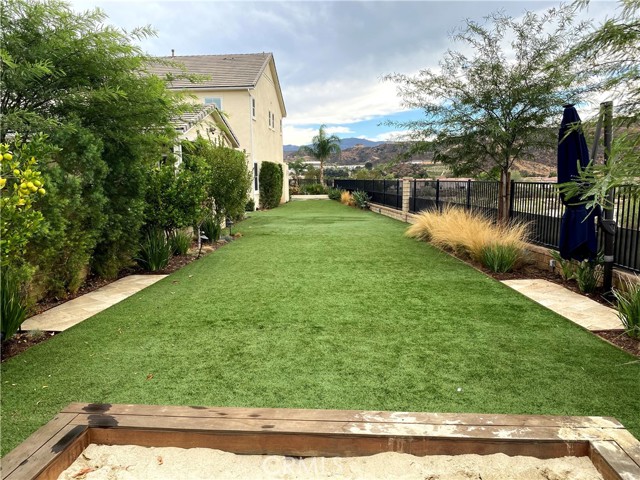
column 324, row 306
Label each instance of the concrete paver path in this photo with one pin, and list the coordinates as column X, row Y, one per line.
column 75, row 311
column 579, row 309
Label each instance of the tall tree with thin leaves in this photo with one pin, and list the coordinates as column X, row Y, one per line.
column 493, row 101
column 322, row 147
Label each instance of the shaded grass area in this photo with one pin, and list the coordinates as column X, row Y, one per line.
column 324, row 306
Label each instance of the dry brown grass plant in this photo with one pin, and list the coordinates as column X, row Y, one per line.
column 466, row 232
column 347, row 198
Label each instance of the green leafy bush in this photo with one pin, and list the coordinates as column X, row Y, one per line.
column 313, row 189
column 155, row 251
column 588, row 275
column 628, row 303
column 334, row 193
column 180, row 242
column 567, row 267
column 501, row 258
column 360, row 199
column 11, row 305
column 212, row 229
column 270, row 180
column 250, row 206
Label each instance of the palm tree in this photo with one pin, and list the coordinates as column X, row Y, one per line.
column 321, row 148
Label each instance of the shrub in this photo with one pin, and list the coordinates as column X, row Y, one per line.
column 12, row 308
column 588, row 274
column 567, row 267
column 469, row 233
column 360, row 199
column 180, row 242
column 500, row 258
column 250, row 206
column 270, row 180
column 212, row 229
column 628, row 300
column 334, row 193
column 155, row 251
column 346, row 198
column 313, row 189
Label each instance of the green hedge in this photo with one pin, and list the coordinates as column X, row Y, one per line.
column 270, row 179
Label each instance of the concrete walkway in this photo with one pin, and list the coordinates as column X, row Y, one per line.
column 579, row 309
column 75, row 311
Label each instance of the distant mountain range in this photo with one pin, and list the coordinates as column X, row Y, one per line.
column 344, row 144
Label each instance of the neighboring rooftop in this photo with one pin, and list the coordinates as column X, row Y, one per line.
column 187, row 120
column 221, row 71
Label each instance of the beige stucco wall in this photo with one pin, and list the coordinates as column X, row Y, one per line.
column 260, row 141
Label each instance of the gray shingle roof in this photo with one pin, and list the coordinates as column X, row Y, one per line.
column 224, row 71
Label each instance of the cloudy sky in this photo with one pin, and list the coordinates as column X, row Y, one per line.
column 330, row 56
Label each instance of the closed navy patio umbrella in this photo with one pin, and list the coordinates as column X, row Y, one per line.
column 578, row 238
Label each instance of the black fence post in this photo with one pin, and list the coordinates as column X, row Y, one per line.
column 469, row 194
column 412, row 196
column 512, row 195
column 438, row 195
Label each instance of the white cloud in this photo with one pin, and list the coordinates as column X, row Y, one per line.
column 334, row 130
column 394, row 136
column 297, row 136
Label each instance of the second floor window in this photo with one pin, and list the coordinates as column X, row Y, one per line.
column 217, row 101
column 253, row 108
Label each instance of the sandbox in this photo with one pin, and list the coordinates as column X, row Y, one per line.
column 322, row 435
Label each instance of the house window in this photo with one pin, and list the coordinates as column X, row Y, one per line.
column 255, row 176
column 270, row 120
column 217, row 101
column 253, row 108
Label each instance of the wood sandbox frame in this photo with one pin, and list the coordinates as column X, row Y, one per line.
column 328, row 433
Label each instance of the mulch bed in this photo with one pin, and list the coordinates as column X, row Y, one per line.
column 22, row 341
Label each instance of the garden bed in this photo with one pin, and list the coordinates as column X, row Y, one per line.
column 319, row 434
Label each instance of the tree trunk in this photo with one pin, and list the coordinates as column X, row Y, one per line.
column 321, row 172
column 504, row 195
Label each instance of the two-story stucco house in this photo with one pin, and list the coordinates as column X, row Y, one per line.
column 245, row 87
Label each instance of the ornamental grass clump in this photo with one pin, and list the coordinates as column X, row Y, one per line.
column 155, row 251
column 500, row 248
column 346, row 198
column 180, row 242
column 628, row 302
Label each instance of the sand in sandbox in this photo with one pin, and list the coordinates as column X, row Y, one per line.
column 129, row 462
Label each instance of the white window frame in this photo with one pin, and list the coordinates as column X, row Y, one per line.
column 253, row 108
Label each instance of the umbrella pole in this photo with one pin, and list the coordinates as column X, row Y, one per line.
column 608, row 212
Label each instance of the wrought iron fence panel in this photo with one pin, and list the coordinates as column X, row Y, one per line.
column 537, row 204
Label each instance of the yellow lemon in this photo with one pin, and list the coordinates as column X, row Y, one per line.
column 8, row 157
column 3, row 182
column 21, row 202
column 16, row 172
column 42, row 191
column 37, row 183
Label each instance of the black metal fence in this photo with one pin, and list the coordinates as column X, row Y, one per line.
column 384, row 192
column 437, row 194
column 539, row 206
column 536, row 203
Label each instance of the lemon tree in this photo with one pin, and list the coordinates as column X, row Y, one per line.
column 21, row 185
